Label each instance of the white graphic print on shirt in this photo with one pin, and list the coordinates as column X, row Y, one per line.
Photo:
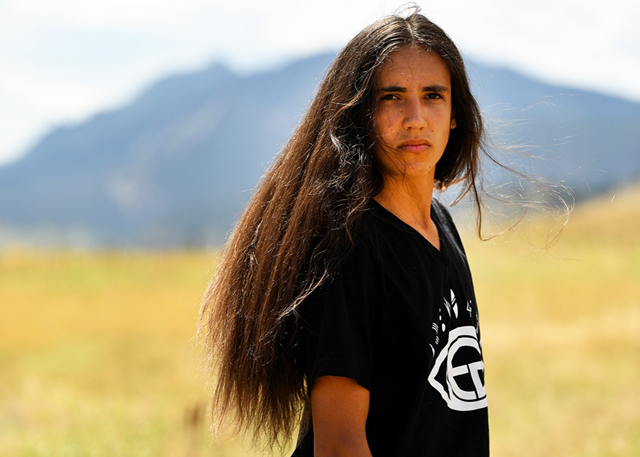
column 458, row 370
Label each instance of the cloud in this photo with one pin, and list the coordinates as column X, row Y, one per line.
column 63, row 60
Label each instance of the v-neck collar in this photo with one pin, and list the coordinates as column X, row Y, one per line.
column 435, row 216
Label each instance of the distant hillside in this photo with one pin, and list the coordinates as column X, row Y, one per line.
column 607, row 221
column 176, row 166
column 589, row 141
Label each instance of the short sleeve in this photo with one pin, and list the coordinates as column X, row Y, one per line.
column 337, row 321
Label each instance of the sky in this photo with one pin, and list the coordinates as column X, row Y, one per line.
column 63, row 61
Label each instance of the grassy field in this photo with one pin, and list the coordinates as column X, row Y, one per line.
column 561, row 333
column 97, row 355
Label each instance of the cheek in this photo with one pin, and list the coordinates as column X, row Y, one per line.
column 386, row 122
column 441, row 122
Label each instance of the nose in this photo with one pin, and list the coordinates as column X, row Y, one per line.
column 415, row 116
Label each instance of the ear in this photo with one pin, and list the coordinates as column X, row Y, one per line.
column 453, row 123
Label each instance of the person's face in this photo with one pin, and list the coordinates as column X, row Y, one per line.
column 412, row 117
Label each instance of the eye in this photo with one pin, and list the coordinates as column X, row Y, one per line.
column 433, row 96
column 389, row 97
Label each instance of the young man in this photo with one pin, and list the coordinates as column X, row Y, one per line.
column 344, row 299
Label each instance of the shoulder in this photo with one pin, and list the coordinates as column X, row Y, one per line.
column 444, row 220
column 376, row 234
column 366, row 235
column 442, row 213
column 363, row 260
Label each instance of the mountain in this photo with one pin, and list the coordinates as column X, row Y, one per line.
column 176, row 166
column 588, row 141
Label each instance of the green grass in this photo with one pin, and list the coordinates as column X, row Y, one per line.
column 97, row 356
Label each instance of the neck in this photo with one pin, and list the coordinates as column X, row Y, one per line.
column 411, row 203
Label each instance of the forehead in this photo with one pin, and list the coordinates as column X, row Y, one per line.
column 413, row 64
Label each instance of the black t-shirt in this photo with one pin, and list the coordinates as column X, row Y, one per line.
column 400, row 318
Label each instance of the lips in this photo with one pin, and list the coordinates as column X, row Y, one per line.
column 414, row 145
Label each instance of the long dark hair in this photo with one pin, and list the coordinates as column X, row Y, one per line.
column 298, row 225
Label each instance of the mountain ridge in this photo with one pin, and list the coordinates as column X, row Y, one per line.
column 176, row 165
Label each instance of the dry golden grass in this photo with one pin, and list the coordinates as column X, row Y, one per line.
column 561, row 333
column 97, row 355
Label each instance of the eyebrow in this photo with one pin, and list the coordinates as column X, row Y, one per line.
column 435, row 88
